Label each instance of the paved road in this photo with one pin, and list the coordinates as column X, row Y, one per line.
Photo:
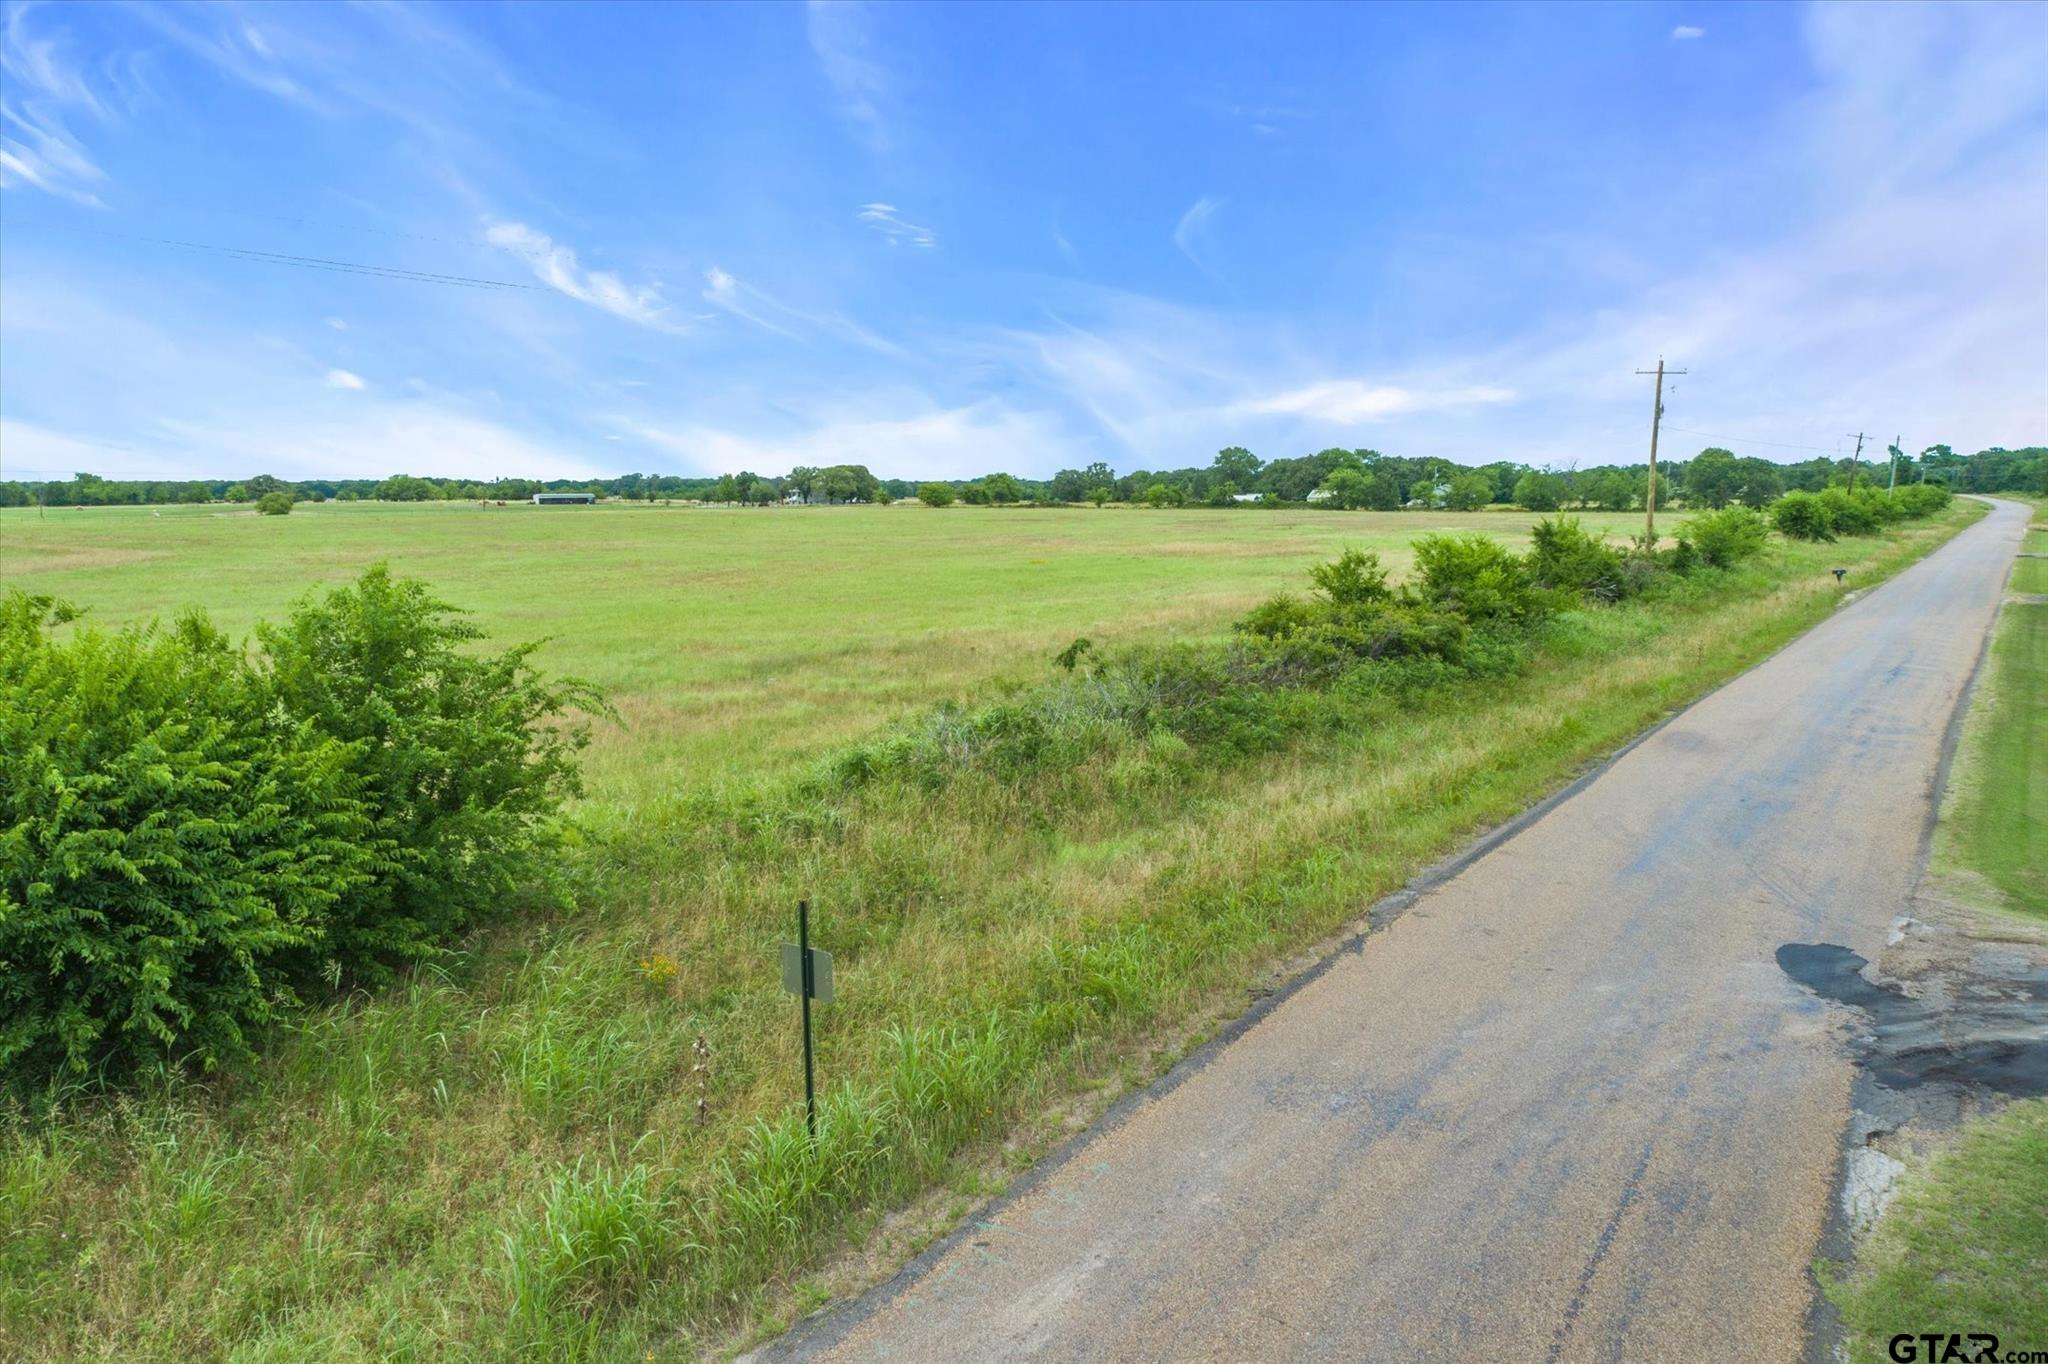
column 1566, row 1107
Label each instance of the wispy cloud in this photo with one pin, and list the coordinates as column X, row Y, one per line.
column 341, row 378
column 842, row 36
column 743, row 301
column 886, row 220
column 1344, row 401
column 771, row 314
column 1685, row 33
column 1191, row 233
column 556, row 266
column 37, row 147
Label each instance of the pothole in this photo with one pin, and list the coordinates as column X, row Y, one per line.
column 1967, row 1032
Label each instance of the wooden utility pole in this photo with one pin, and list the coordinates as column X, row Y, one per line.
column 1856, row 460
column 1893, row 485
column 1656, row 420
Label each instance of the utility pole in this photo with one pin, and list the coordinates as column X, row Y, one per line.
column 1856, row 460
column 1656, row 420
column 1893, row 485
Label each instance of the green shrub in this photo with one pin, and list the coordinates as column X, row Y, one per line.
column 462, row 756
column 1725, row 538
column 1277, row 616
column 274, row 504
column 1916, row 500
column 1353, row 578
column 1852, row 513
column 170, row 844
column 1802, row 516
column 1475, row 576
column 1565, row 557
column 194, row 842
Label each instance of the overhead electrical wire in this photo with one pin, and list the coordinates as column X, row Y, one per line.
column 346, row 267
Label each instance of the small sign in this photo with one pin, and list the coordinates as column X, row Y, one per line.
column 821, row 972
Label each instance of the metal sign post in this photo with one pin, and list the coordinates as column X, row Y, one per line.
column 807, row 974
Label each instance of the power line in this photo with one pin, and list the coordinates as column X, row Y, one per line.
column 1737, row 440
column 328, row 263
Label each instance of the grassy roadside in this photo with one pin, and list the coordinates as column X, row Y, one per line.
column 508, row 1159
column 1965, row 1248
column 1992, row 843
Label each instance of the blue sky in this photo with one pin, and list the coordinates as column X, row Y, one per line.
column 945, row 239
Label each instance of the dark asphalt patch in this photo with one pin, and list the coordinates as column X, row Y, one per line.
column 1976, row 1034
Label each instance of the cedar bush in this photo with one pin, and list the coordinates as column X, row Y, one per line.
column 1477, row 577
column 1565, row 557
column 194, row 841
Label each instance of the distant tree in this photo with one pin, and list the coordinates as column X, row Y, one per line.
column 274, row 503
column 935, row 494
column 1237, row 465
column 1711, row 478
column 1099, row 475
column 1348, row 489
column 1222, row 494
column 402, row 488
column 1002, row 488
column 1539, row 492
column 1099, row 494
column 727, row 489
column 1469, row 492
column 1758, row 482
column 236, row 494
column 1164, row 495
column 975, row 494
column 1067, row 486
column 1607, row 489
column 880, row 496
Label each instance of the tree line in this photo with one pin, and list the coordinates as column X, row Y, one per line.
column 1342, row 479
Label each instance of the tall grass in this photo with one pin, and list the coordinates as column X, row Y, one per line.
column 504, row 1158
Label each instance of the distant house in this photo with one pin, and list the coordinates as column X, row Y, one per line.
column 563, row 499
column 1320, row 495
column 1247, row 497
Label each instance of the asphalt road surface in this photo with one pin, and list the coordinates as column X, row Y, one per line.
column 1566, row 1107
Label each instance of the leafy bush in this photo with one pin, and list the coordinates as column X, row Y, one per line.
column 274, row 504
column 1725, row 538
column 1353, row 578
column 194, row 841
column 1278, row 615
column 935, row 494
column 1565, row 557
column 1916, row 500
column 1475, row 576
column 1858, row 513
column 1802, row 516
column 462, row 761
column 171, row 845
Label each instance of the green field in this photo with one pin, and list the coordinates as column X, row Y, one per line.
column 732, row 642
column 506, row 1157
